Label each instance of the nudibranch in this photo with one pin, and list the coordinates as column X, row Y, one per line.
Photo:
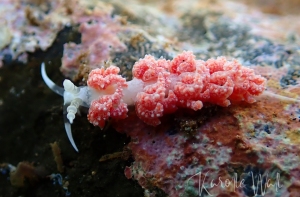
column 158, row 87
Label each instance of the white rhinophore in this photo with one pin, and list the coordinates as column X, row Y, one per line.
column 72, row 96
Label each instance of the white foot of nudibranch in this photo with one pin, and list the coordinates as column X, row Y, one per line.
column 73, row 98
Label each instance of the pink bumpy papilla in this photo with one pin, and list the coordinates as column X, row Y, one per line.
column 168, row 84
column 109, row 86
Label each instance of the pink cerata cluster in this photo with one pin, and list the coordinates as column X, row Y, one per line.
column 162, row 86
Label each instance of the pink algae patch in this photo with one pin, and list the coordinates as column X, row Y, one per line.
column 99, row 37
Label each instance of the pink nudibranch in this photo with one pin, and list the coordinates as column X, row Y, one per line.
column 162, row 86
column 158, row 87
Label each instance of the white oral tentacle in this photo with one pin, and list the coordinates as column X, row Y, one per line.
column 55, row 88
column 69, row 134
